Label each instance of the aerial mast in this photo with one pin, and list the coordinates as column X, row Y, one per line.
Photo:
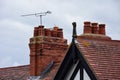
column 40, row 15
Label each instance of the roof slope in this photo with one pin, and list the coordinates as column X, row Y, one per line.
column 102, row 56
column 14, row 73
column 23, row 73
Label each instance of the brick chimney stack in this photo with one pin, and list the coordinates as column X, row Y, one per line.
column 46, row 45
column 94, row 28
column 94, row 31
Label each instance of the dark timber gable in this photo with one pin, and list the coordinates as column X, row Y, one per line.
column 73, row 62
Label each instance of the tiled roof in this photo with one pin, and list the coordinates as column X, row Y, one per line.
column 22, row 73
column 103, row 57
column 14, row 73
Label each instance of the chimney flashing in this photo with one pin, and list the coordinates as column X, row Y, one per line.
column 94, row 36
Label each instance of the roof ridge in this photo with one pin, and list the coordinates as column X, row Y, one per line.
column 14, row 66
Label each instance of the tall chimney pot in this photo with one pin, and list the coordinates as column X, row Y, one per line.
column 95, row 28
column 102, row 29
column 87, row 27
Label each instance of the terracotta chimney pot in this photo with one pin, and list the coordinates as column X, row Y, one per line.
column 102, row 29
column 41, row 31
column 87, row 27
column 60, row 33
column 36, row 31
column 55, row 28
column 95, row 28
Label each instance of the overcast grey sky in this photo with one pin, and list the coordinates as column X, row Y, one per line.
column 15, row 30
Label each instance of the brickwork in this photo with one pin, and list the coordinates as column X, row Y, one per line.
column 45, row 46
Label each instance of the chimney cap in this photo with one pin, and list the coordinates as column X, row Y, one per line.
column 41, row 26
column 94, row 23
column 87, row 22
column 60, row 28
column 102, row 25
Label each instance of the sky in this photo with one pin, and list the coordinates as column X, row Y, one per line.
column 16, row 30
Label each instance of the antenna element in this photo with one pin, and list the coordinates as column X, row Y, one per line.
column 39, row 15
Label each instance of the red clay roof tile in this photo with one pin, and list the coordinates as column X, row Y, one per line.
column 102, row 56
column 14, row 73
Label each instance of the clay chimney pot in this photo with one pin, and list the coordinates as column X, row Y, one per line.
column 94, row 24
column 95, row 28
column 102, row 29
column 87, row 27
column 87, row 23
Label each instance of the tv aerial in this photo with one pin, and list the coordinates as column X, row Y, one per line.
column 40, row 15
